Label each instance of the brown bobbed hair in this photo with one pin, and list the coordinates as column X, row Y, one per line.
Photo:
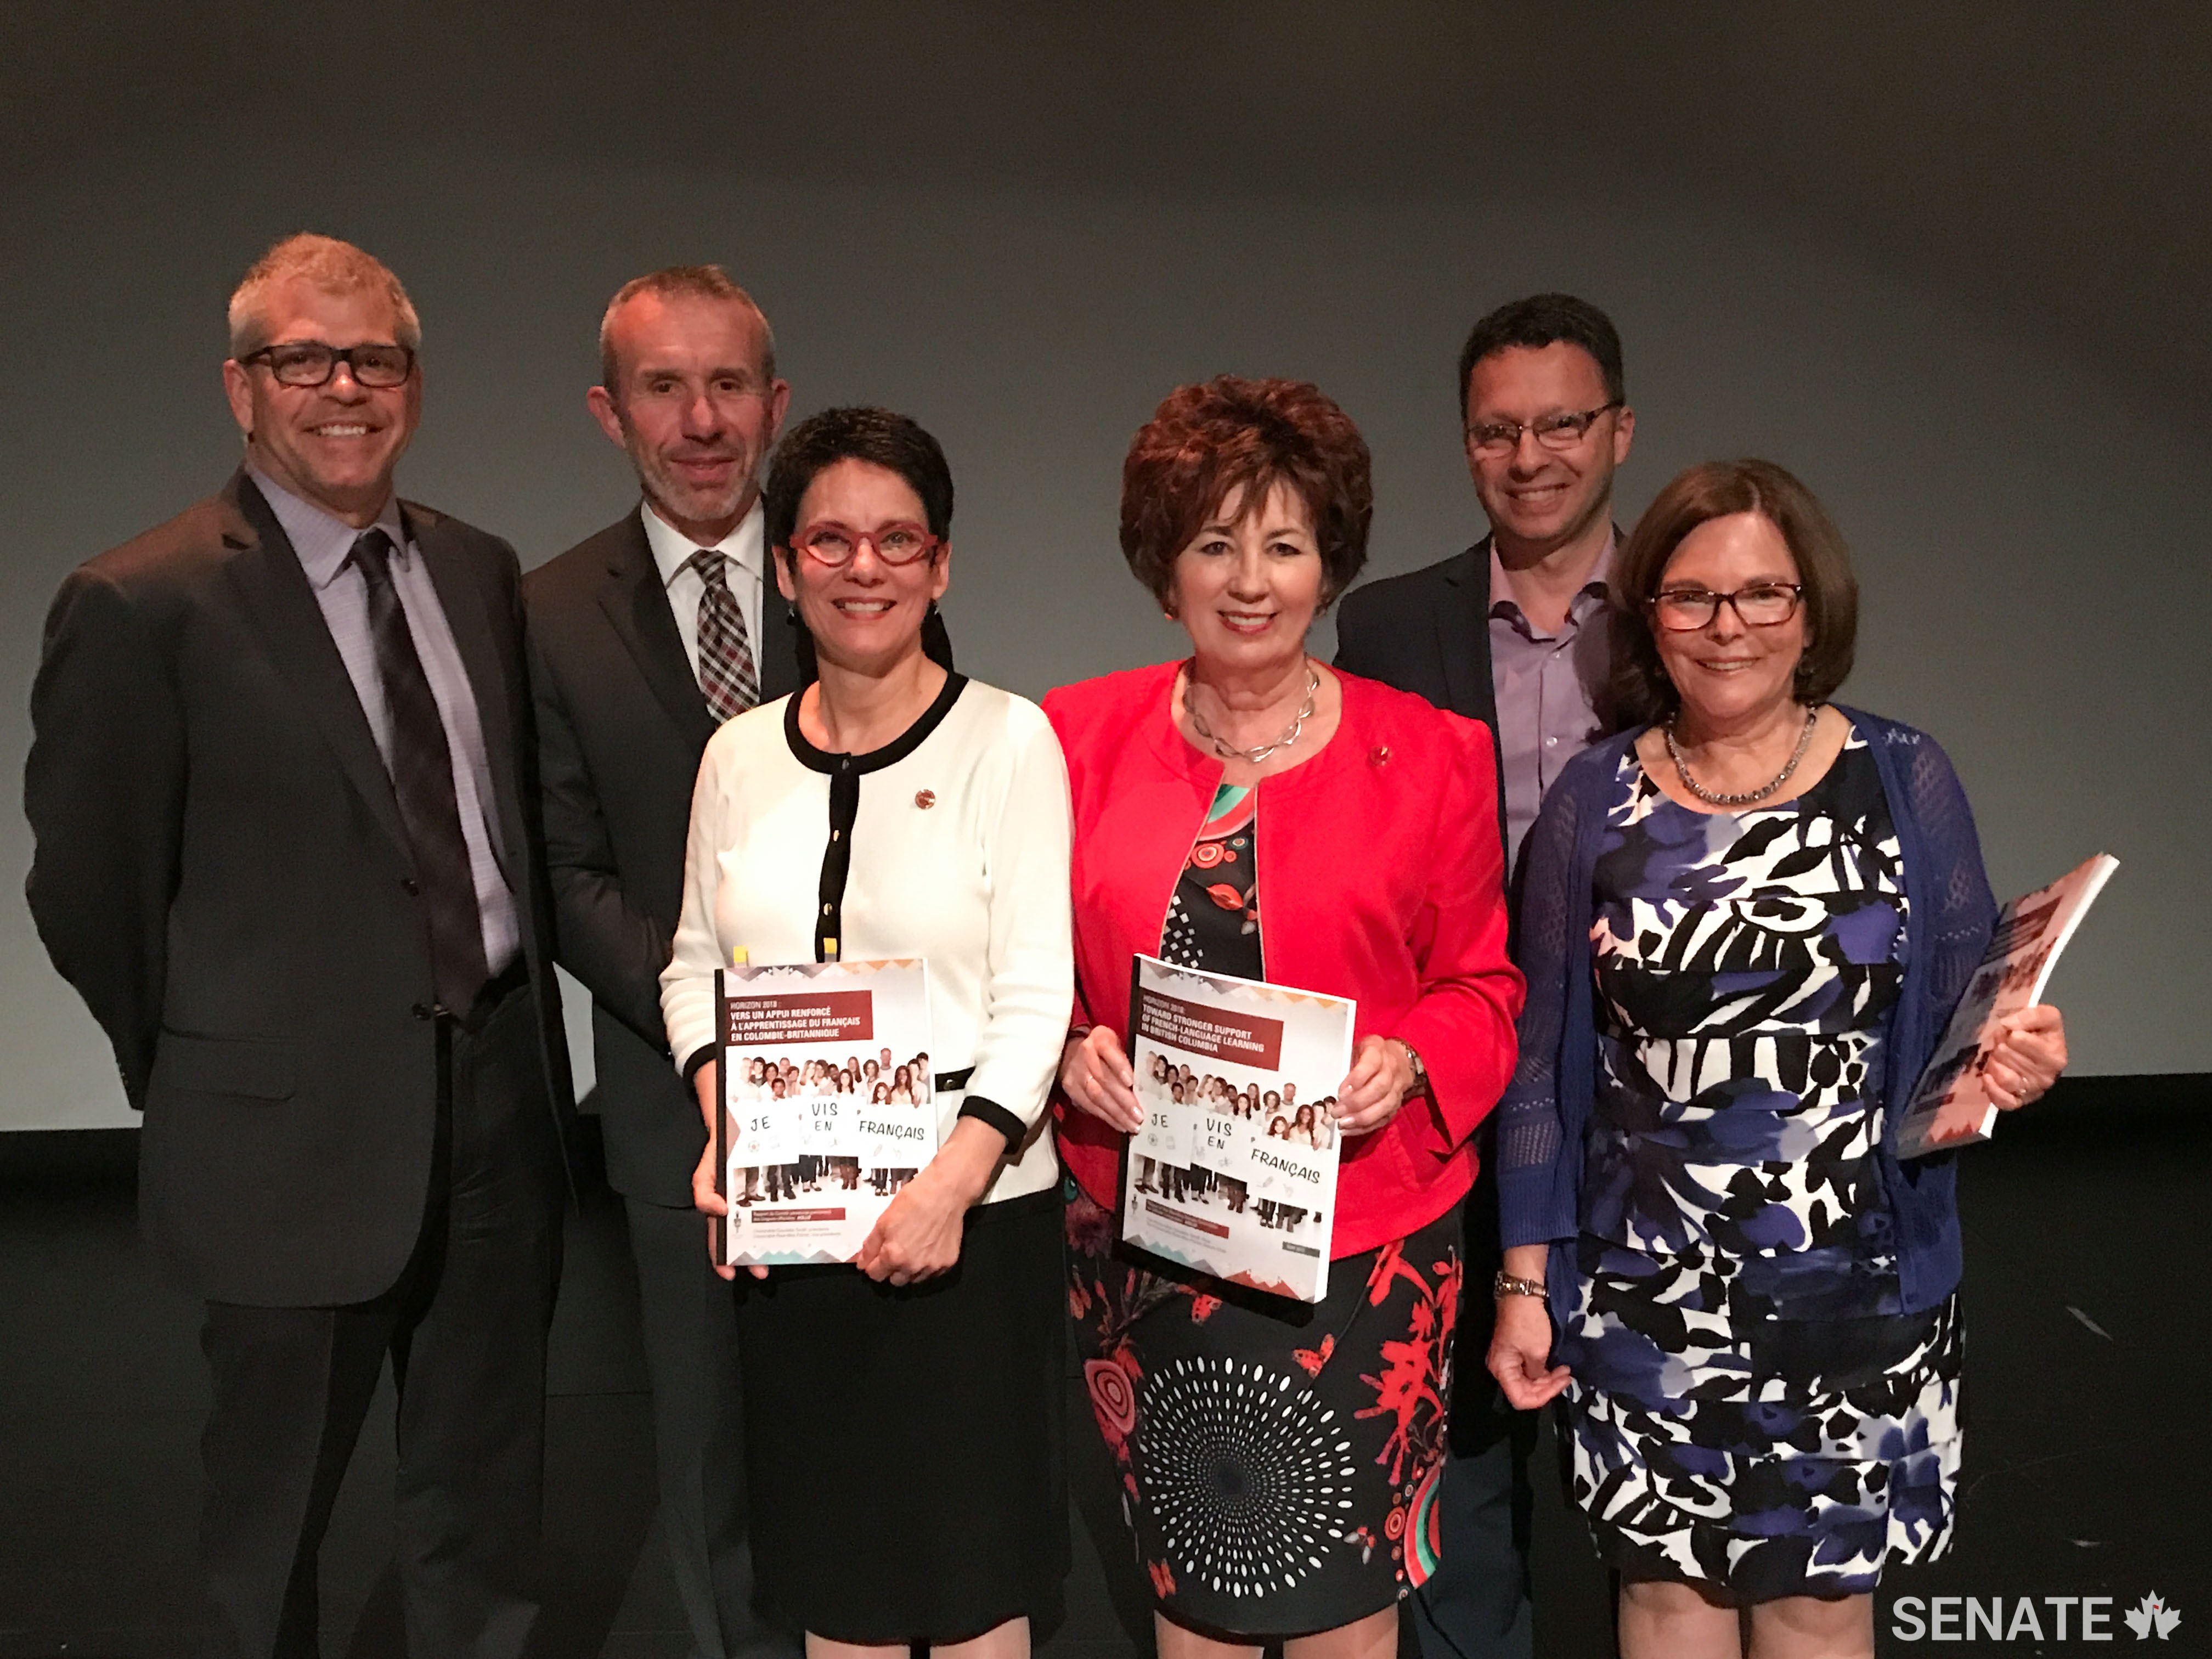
column 1639, row 691
column 1205, row 442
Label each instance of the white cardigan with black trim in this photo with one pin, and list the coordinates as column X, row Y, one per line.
column 950, row 844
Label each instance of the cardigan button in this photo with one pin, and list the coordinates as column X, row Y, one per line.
column 1379, row 756
column 925, row 799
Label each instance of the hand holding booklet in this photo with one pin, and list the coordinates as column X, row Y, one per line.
column 826, row 1105
column 1950, row 1106
column 1234, row 1171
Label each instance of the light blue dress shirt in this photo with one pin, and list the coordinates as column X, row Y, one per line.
column 325, row 546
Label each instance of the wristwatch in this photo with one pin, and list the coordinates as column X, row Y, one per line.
column 1505, row 1284
column 1420, row 1073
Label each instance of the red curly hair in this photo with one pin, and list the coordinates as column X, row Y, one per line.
column 1206, row 442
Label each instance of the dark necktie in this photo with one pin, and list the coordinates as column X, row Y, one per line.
column 726, row 674
column 422, row 765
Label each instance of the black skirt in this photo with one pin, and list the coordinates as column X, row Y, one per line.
column 1279, row 1461
column 905, row 1448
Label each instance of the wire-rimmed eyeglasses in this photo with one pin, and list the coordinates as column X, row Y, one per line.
column 1561, row 432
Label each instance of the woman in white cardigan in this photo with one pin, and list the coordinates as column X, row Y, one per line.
column 905, row 1421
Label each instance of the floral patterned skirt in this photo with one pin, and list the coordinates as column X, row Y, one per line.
column 1279, row 1461
column 1769, row 1457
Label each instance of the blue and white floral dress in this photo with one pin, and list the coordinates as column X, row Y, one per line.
column 1751, row 1408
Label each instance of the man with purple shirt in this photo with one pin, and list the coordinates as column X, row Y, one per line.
column 1511, row 632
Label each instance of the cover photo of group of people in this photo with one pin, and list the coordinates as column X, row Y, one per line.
column 1233, row 1170
column 832, row 1125
column 1232, row 1120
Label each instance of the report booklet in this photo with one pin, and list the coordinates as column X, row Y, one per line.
column 827, row 1106
column 1950, row 1106
column 1234, row 1171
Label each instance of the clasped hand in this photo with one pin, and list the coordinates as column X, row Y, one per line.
column 1096, row 1074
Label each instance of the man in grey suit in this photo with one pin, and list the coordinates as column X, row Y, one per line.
column 284, row 800
column 644, row 638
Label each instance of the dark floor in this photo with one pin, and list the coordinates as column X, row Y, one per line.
column 2091, row 1365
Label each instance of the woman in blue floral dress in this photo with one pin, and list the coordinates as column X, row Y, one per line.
column 1744, row 922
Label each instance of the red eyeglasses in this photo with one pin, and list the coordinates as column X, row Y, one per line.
column 827, row 541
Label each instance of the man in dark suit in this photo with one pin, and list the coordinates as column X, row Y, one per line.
column 283, row 793
column 1511, row 632
column 644, row 638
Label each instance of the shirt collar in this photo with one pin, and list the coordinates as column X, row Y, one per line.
column 672, row 549
column 1594, row 591
column 322, row 541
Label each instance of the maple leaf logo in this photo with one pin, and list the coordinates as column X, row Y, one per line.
column 2152, row 1614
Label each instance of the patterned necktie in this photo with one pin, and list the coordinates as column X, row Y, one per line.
column 422, row 765
column 726, row 674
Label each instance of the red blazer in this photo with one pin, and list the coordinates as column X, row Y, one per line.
column 1380, row 878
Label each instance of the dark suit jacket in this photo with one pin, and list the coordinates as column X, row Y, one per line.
column 621, row 727
column 1427, row 632
column 221, row 873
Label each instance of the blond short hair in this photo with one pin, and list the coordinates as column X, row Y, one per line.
column 689, row 282
column 334, row 266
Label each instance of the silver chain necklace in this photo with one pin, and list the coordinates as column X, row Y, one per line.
column 1253, row 756
column 1712, row 798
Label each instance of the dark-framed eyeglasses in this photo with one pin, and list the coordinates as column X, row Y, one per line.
column 1562, row 431
column 827, row 541
column 311, row 363
column 1763, row 605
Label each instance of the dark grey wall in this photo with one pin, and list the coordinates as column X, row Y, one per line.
column 1949, row 269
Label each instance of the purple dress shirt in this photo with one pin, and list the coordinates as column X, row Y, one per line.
column 1547, row 687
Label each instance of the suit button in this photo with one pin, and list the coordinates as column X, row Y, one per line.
column 411, row 887
column 422, row 1011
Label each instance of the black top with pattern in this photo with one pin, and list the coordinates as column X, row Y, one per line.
column 1213, row 918
column 1746, row 963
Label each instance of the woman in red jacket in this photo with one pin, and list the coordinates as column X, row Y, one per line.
column 1251, row 812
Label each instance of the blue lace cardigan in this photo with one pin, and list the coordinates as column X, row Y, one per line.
column 1547, row 1108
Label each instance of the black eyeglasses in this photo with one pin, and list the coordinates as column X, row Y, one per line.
column 1562, row 431
column 1763, row 605
column 311, row 363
